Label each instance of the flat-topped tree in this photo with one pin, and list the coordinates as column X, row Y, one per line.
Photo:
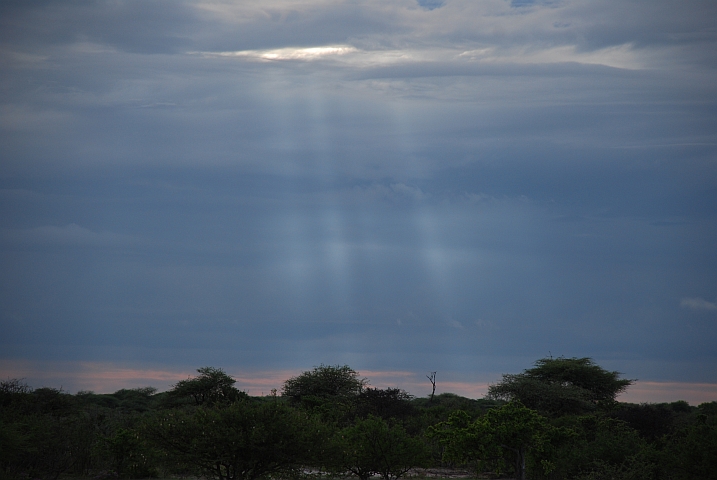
column 561, row 386
column 212, row 386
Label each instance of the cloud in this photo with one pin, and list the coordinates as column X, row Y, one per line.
column 699, row 304
column 134, row 26
column 318, row 168
column 413, row 193
column 69, row 235
column 452, row 322
column 431, row 4
column 159, row 105
column 618, row 56
column 446, row 61
column 21, row 118
column 306, row 54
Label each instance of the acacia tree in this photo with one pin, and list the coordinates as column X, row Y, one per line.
column 561, row 386
column 212, row 386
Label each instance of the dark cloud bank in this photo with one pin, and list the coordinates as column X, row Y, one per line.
column 453, row 186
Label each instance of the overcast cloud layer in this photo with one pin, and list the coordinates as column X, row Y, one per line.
column 457, row 186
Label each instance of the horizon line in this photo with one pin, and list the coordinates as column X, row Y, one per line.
column 108, row 377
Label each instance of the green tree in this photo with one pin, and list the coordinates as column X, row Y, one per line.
column 212, row 386
column 654, row 420
column 604, row 447
column 389, row 403
column 324, row 382
column 135, row 399
column 42, row 433
column 331, row 391
column 501, row 439
column 129, row 454
column 55, row 444
column 242, row 441
column 690, row 452
column 13, row 444
column 518, row 430
column 459, row 439
column 558, row 386
column 373, row 446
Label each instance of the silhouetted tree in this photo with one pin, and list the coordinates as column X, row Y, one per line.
column 561, row 386
column 432, row 378
column 212, row 386
column 331, row 391
column 389, row 403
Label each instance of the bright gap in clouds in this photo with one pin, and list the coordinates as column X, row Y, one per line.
column 621, row 56
column 288, row 53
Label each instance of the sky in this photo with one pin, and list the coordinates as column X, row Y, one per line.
column 404, row 187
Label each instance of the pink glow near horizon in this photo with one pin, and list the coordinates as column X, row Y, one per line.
column 96, row 376
column 106, row 378
column 659, row 392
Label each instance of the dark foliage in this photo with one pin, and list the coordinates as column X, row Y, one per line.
column 328, row 420
column 131, row 400
column 211, row 387
column 653, row 420
column 324, row 384
column 690, row 453
column 389, row 404
column 374, row 447
column 559, row 386
column 243, row 441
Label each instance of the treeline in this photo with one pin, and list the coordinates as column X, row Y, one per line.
column 558, row 420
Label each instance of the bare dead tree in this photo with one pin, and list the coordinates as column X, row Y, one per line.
column 432, row 378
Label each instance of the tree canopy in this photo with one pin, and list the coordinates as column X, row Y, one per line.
column 329, row 422
column 324, row 383
column 501, row 437
column 388, row 403
column 210, row 387
column 373, row 446
column 242, row 441
column 561, row 385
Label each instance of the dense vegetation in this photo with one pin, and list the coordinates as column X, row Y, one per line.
column 558, row 420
